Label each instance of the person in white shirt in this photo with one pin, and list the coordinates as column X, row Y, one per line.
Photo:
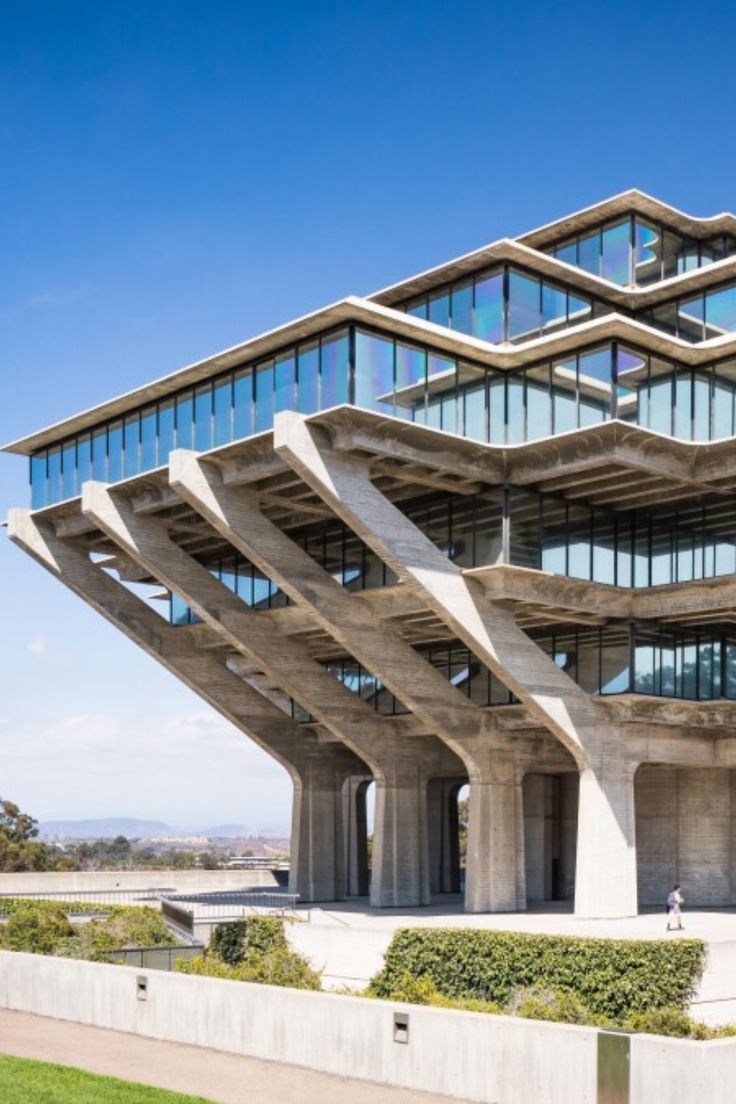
column 675, row 901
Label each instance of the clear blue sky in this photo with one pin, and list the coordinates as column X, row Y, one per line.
column 175, row 177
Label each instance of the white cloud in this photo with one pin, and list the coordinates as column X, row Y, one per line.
column 41, row 649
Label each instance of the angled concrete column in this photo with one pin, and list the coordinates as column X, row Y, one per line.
column 606, row 869
column 444, row 835
column 356, row 836
column 317, row 866
column 288, row 663
column 234, row 512
column 485, row 626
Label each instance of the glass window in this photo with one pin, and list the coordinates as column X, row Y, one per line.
column 39, row 490
column 472, row 403
column 439, row 308
column 374, row 372
column 203, row 418
column 148, row 438
column 264, row 396
column 720, row 312
column 488, row 308
column 524, row 306
column 647, row 252
column 84, row 460
column 411, row 372
column 308, row 378
column 99, row 455
column 578, row 310
column 515, row 426
column 131, row 445
column 461, row 310
column 185, row 420
column 589, row 253
column 615, row 260
column 554, row 306
column 115, row 452
column 69, row 470
column 564, row 395
column 334, row 369
column 223, row 411
column 538, row 403
column 418, row 308
column 568, row 252
column 724, row 400
column 690, row 317
column 166, row 424
column 242, row 403
column 284, row 382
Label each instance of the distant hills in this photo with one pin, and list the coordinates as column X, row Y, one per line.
column 133, row 828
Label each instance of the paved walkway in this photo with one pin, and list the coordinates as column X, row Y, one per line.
column 219, row 1077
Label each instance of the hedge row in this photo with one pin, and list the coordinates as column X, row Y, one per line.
column 612, row 977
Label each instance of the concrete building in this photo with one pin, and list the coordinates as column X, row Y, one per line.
column 479, row 527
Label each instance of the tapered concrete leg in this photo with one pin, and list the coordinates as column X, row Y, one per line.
column 356, row 836
column 318, row 874
column 495, row 859
column 400, row 874
column 444, row 835
column 605, row 882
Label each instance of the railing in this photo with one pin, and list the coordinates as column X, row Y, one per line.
column 228, row 906
column 153, row 958
column 94, row 896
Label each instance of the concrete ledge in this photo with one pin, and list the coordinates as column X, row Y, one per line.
column 101, row 881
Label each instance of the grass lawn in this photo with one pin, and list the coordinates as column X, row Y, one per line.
column 26, row 1082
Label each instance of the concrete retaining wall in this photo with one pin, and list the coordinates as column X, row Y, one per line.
column 490, row 1059
column 100, row 881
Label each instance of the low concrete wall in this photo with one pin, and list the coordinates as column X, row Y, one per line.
column 183, row 881
column 489, row 1059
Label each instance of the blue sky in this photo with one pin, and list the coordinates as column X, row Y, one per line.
column 175, row 177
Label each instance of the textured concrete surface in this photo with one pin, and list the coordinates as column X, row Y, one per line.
column 224, row 1078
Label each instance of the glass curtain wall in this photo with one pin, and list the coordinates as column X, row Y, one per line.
column 636, row 250
column 697, row 317
column 504, row 303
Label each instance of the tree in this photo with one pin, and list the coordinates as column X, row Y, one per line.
column 19, row 849
column 16, row 826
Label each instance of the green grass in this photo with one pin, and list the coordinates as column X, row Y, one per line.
column 26, row 1082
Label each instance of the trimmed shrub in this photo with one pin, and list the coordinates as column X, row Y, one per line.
column 546, row 1004
column 610, row 978
column 126, row 926
column 36, row 930
column 255, row 950
column 9, row 905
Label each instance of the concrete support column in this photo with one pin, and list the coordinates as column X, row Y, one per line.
column 400, row 874
column 534, row 836
column 356, row 836
column 444, row 835
column 495, row 879
column 318, row 870
column 606, row 869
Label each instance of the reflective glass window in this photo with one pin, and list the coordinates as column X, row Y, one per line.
column 148, row 438
column 185, row 421
column 223, row 411
column 115, row 452
column 374, row 372
column 472, row 403
column 84, row 460
column 578, row 310
column 488, row 310
column 568, row 252
column 131, row 445
column 497, row 408
column 284, row 382
column 724, row 400
column 99, row 455
column 690, row 317
column 461, row 309
column 334, row 369
column 554, row 306
column 683, row 405
column 701, row 406
column 242, row 403
column 564, row 395
column 411, row 372
column 524, row 306
column 203, row 418
column 308, row 378
column 538, row 403
column 418, row 308
column 69, row 470
column 589, row 253
column 264, row 396
column 647, row 252
column 39, row 490
column 615, row 253
column 166, row 428
column 439, row 308
column 180, row 614
column 515, row 427
column 720, row 312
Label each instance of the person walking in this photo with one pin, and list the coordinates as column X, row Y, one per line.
column 675, row 901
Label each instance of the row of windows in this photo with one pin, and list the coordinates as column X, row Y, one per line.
column 504, row 304
column 635, row 250
column 617, row 659
column 697, row 317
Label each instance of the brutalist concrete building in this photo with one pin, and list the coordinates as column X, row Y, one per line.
column 479, row 527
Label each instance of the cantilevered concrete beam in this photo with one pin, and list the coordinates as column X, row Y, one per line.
column 401, row 767
column 318, row 772
column 493, row 880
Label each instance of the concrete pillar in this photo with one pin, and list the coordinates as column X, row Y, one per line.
column 444, row 835
column 356, row 836
column 495, row 858
column 535, row 850
column 400, row 874
column 606, row 875
column 318, row 852
column 569, row 799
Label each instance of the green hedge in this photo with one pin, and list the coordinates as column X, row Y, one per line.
column 611, row 977
column 9, row 905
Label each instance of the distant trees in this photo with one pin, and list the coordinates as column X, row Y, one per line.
column 19, row 848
